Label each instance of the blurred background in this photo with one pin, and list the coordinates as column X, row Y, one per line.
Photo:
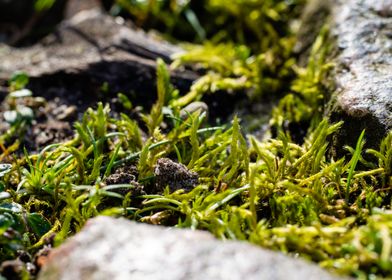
column 249, row 22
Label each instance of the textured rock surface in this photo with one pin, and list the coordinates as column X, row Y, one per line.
column 89, row 37
column 110, row 248
column 90, row 58
column 75, row 6
column 90, row 49
column 363, row 33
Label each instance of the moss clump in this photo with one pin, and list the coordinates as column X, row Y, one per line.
column 275, row 193
column 279, row 193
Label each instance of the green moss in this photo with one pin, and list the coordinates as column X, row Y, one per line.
column 277, row 193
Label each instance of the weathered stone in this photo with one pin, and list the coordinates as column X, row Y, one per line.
column 194, row 107
column 110, row 248
column 87, row 38
column 76, row 6
column 362, row 31
column 88, row 50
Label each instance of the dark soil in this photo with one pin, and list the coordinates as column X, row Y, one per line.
column 52, row 122
column 126, row 175
column 175, row 175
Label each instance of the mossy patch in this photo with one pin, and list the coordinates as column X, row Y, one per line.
column 164, row 165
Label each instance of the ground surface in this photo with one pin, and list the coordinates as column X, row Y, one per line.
column 242, row 136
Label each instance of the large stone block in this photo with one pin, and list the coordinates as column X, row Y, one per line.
column 362, row 34
column 109, row 248
column 90, row 50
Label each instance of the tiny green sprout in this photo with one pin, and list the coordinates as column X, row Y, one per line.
column 354, row 161
column 124, row 100
column 43, row 5
column 18, row 81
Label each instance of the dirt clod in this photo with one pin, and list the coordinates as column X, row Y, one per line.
column 175, row 175
column 125, row 175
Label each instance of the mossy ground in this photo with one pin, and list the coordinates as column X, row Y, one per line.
column 284, row 192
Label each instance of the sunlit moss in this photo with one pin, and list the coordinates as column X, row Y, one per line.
column 277, row 193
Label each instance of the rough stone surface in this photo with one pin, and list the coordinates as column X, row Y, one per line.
column 76, row 6
column 90, row 58
column 363, row 33
column 110, row 248
column 89, row 37
column 88, row 50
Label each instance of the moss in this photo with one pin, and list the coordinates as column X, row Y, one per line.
column 278, row 193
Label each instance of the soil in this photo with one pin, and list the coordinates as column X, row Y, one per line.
column 123, row 175
column 51, row 124
column 175, row 175
column 126, row 175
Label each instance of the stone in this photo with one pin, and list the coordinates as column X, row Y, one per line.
column 109, row 248
column 76, row 6
column 362, row 33
column 90, row 58
column 194, row 107
column 89, row 51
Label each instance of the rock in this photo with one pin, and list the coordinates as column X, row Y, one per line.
column 109, row 248
column 381, row 7
column 194, row 107
column 362, row 31
column 88, row 38
column 88, row 51
column 90, row 58
column 76, row 6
